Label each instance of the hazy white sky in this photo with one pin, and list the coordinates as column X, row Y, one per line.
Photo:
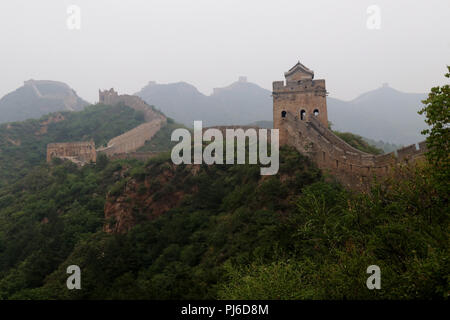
column 209, row 43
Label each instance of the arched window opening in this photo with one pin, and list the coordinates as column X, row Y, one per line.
column 283, row 114
column 316, row 112
column 302, row 115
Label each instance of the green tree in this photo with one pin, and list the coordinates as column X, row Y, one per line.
column 437, row 114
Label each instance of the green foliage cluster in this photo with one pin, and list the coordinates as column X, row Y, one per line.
column 437, row 111
column 358, row 142
column 44, row 215
column 235, row 235
column 229, row 213
column 333, row 236
column 23, row 146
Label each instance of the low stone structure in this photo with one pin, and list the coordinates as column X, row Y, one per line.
column 80, row 153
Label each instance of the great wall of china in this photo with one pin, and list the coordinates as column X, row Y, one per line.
column 353, row 168
column 300, row 115
column 131, row 140
column 119, row 147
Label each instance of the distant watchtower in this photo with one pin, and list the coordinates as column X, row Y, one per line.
column 301, row 96
column 109, row 97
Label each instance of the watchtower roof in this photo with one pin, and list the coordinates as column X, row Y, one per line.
column 299, row 68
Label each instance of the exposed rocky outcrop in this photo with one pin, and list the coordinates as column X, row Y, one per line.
column 144, row 199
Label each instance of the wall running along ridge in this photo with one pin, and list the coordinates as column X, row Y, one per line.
column 131, row 140
column 117, row 147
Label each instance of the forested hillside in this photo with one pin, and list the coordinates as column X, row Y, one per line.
column 219, row 231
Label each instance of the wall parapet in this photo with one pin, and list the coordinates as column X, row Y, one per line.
column 351, row 166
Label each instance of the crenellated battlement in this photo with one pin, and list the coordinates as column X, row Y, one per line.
column 300, row 86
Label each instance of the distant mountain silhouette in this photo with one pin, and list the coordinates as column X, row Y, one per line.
column 382, row 114
column 38, row 97
column 240, row 103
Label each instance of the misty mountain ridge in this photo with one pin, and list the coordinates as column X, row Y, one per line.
column 382, row 114
column 240, row 103
column 37, row 98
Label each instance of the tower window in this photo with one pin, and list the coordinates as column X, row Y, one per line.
column 302, row 114
column 316, row 112
column 283, row 114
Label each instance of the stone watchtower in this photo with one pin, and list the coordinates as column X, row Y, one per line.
column 301, row 96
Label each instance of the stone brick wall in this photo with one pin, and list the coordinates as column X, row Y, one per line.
column 131, row 140
column 77, row 152
column 111, row 97
column 128, row 142
column 353, row 168
column 301, row 98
